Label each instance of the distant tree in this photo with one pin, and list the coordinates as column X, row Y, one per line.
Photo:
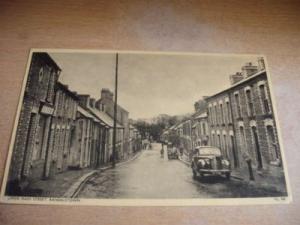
column 153, row 130
column 143, row 128
column 172, row 121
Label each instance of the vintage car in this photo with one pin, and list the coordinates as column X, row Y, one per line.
column 209, row 160
column 172, row 152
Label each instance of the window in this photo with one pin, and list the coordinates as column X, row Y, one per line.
column 225, row 145
column 210, row 115
column 213, row 139
column 41, row 74
column 242, row 138
column 50, row 91
column 204, row 128
column 216, row 115
column 222, row 113
column 250, row 105
column 272, row 142
column 228, row 112
column 238, row 106
column 39, row 139
column 264, row 99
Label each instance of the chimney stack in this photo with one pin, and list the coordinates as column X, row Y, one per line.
column 236, row 78
column 84, row 100
column 106, row 94
column 249, row 69
column 261, row 64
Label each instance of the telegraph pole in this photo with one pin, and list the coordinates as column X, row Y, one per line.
column 115, row 115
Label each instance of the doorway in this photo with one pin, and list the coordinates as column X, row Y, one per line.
column 235, row 158
column 257, row 148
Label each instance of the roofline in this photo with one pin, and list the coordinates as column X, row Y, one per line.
column 63, row 86
column 47, row 57
column 239, row 83
column 121, row 107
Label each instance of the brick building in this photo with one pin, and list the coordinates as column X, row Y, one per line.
column 87, row 138
column 254, row 119
column 106, row 104
column 31, row 145
column 200, row 128
column 242, row 122
column 59, row 129
column 62, row 129
column 185, row 132
column 135, row 139
column 221, row 126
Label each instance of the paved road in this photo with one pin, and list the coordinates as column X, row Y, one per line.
column 151, row 176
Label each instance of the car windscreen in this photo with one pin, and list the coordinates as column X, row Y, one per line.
column 209, row 151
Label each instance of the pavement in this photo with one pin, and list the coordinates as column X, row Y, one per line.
column 77, row 186
column 67, row 184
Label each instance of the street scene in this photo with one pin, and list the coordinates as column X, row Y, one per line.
column 139, row 179
column 110, row 125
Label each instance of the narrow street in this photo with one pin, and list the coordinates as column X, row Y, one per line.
column 151, row 176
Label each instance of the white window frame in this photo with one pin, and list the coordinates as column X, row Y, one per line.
column 248, row 88
column 259, row 84
column 236, row 93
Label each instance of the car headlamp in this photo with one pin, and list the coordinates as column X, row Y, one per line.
column 225, row 162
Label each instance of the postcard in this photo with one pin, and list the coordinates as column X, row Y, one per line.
column 131, row 128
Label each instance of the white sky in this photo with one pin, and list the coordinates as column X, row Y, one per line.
column 150, row 84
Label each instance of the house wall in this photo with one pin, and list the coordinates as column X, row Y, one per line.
column 221, row 126
column 31, row 143
column 260, row 120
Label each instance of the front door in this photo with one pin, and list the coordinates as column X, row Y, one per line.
column 257, row 148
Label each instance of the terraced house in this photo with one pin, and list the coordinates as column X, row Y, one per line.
column 31, row 145
column 242, row 122
column 59, row 129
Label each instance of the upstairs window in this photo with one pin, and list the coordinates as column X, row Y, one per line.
column 228, row 112
column 204, row 129
column 264, row 99
column 216, row 115
column 250, row 105
column 210, row 115
column 238, row 105
column 222, row 113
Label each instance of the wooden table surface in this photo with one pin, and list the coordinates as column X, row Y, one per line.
column 232, row 26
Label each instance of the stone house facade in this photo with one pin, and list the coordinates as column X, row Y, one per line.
column 106, row 104
column 32, row 134
column 62, row 128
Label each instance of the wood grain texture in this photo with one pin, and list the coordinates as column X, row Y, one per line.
column 233, row 26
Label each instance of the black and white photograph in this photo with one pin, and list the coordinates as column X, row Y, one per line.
column 145, row 128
